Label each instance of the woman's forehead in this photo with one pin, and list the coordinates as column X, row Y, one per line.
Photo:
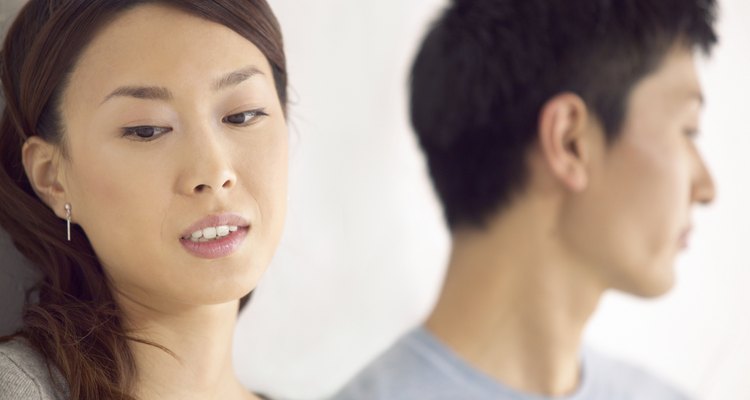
column 156, row 45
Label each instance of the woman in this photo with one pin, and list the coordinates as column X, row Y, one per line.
column 144, row 160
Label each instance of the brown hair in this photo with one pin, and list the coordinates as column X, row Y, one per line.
column 70, row 316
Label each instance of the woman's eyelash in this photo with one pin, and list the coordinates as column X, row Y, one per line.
column 147, row 133
column 144, row 132
column 245, row 118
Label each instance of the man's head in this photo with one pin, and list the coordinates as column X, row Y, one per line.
column 594, row 102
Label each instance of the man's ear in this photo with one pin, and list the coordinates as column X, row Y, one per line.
column 563, row 142
column 41, row 161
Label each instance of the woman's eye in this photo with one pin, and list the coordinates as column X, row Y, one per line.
column 145, row 133
column 244, row 118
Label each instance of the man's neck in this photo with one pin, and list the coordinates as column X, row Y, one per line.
column 514, row 306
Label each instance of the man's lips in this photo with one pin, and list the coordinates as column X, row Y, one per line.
column 685, row 237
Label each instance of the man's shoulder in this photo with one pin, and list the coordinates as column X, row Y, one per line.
column 24, row 374
column 419, row 367
column 415, row 367
column 389, row 374
column 618, row 379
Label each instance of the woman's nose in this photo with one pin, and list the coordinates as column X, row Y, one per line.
column 207, row 165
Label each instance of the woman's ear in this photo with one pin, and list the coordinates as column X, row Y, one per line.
column 41, row 161
column 563, row 122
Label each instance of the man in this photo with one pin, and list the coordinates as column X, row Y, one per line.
column 559, row 137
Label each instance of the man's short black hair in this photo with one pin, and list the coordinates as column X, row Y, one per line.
column 487, row 67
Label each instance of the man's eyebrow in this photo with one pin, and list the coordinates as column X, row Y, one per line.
column 141, row 92
column 236, row 77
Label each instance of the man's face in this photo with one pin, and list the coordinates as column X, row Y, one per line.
column 634, row 217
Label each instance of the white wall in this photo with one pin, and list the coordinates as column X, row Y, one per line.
column 364, row 249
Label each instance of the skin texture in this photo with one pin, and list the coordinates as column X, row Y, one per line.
column 135, row 199
column 595, row 216
column 634, row 216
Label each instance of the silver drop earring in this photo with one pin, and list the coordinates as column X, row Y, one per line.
column 67, row 217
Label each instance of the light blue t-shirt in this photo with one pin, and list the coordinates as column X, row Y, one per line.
column 419, row 367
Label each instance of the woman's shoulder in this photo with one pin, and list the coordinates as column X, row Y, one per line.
column 24, row 374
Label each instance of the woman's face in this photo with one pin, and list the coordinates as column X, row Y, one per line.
column 177, row 157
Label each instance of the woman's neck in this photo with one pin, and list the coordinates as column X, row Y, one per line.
column 200, row 342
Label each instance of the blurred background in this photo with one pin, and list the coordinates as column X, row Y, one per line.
column 365, row 247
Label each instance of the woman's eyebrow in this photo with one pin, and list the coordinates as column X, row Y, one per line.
column 163, row 94
column 236, row 77
column 141, row 92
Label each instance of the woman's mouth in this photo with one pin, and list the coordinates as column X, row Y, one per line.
column 214, row 245
column 216, row 236
column 211, row 233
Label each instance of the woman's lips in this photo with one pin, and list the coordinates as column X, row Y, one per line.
column 215, row 236
column 214, row 221
column 216, row 248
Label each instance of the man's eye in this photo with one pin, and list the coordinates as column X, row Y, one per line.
column 145, row 133
column 244, row 118
column 692, row 133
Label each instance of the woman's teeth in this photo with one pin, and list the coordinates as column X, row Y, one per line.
column 211, row 233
